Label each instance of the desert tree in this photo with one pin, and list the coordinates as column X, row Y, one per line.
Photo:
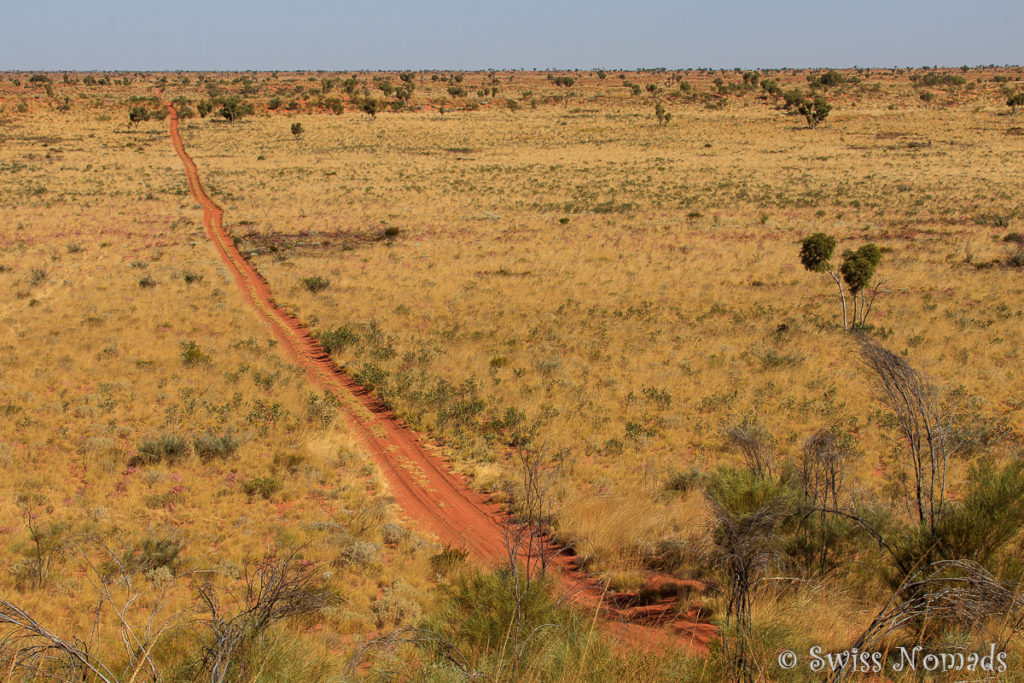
column 858, row 270
column 527, row 544
column 529, row 549
column 137, row 115
column 814, row 110
column 661, row 114
column 815, row 255
column 914, row 404
column 234, row 108
column 822, row 468
column 140, row 630
column 296, row 129
column 1015, row 100
column 792, row 99
column 370, row 107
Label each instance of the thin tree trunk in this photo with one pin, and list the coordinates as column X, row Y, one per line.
column 842, row 295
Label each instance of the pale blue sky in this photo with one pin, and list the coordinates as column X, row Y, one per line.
column 462, row 34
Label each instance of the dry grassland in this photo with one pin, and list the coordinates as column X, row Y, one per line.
column 669, row 306
column 561, row 275
column 108, row 280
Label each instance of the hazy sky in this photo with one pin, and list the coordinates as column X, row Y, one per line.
column 464, row 34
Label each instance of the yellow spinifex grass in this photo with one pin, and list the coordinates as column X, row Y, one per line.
column 634, row 288
column 619, row 291
column 106, row 277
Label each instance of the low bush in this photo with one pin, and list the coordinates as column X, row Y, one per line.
column 215, row 447
column 506, row 626
column 165, row 448
column 264, row 487
column 448, row 559
column 684, row 481
column 316, row 283
column 337, row 339
column 191, row 354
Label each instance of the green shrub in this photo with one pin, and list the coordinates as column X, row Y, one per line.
column 509, row 627
column 167, row 500
column 264, row 487
column 138, row 114
column 831, row 78
column 392, row 533
column 322, row 410
column 215, row 447
column 988, row 517
column 449, row 559
column 164, row 448
column 191, row 354
column 372, row 377
column 370, row 107
column 234, row 108
column 263, row 415
column 155, row 552
column 289, row 462
column 684, row 481
column 316, row 283
column 337, row 339
column 147, row 282
column 939, row 80
column 815, row 111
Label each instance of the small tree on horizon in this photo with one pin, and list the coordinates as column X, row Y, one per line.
column 815, row 111
column 1014, row 101
column 234, row 108
column 659, row 113
column 370, row 106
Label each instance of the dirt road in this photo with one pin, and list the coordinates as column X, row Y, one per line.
column 428, row 492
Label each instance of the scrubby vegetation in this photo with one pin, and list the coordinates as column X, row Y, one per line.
column 605, row 319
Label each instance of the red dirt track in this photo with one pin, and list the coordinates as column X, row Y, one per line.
column 437, row 499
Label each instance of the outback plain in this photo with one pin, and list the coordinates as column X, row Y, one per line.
column 600, row 311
